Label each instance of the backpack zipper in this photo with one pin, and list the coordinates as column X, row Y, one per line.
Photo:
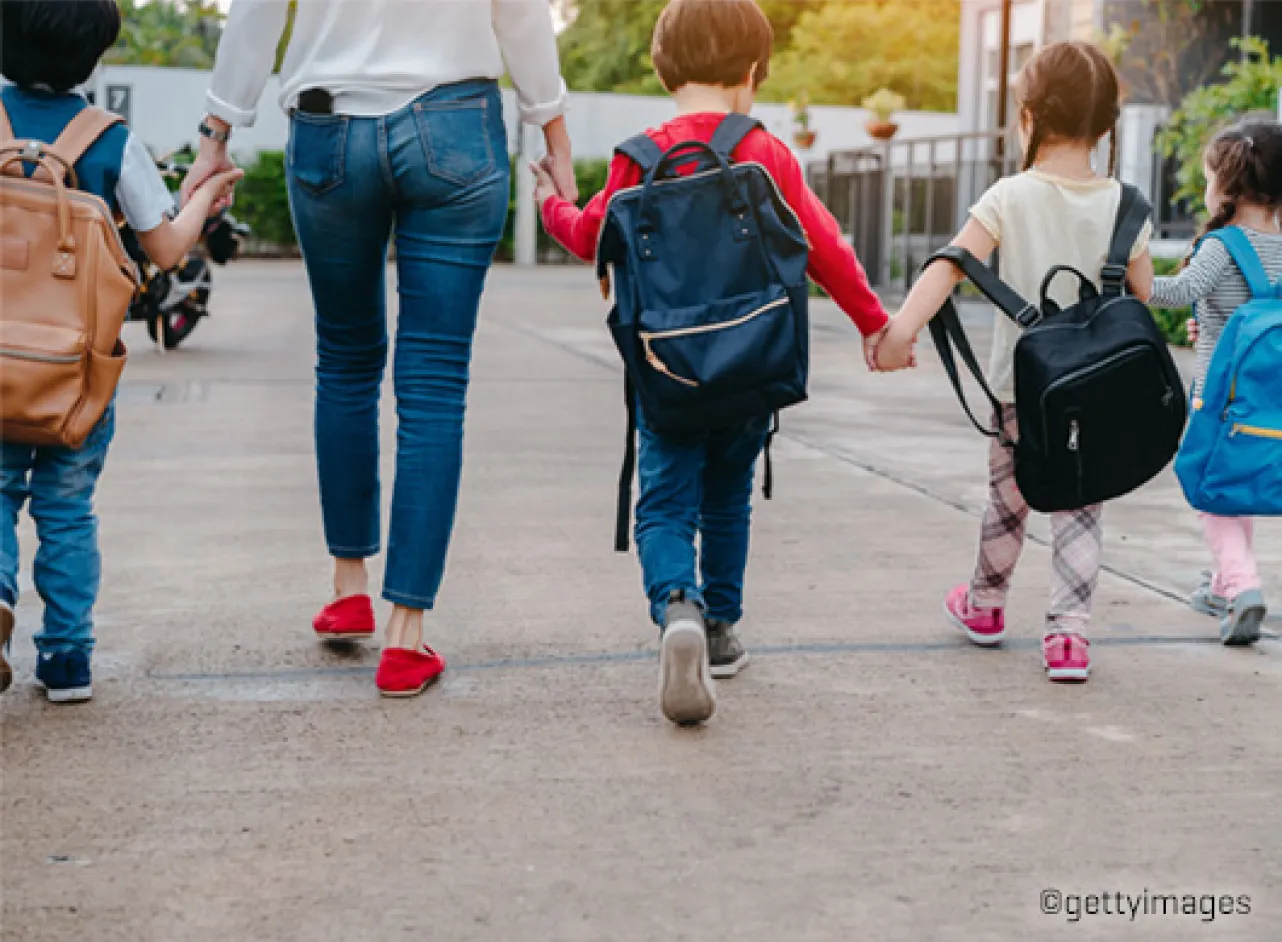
column 1254, row 431
column 649, row 336
column 38, row 357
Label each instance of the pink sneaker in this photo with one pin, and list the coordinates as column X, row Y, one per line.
column 983, row 626
column 1066, row 656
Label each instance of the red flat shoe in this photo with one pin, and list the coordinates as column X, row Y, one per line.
column 348, row 619
column 405, row 673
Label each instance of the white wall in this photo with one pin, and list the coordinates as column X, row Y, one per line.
column 166, row 105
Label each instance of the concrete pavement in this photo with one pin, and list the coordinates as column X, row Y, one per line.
column 870, row 777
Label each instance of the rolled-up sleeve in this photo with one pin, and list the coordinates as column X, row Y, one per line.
column 527, row 39
column 246, row 54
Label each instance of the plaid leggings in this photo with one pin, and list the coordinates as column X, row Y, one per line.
column 1077, row 544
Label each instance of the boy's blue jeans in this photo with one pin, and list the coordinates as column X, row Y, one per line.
column 57, row 484
column 699, row 485
column 435, row 174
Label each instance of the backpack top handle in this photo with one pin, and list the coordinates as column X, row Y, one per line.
column 738, row 204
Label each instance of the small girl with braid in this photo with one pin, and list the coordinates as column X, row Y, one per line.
column 1058, row 211
column 1243, row 166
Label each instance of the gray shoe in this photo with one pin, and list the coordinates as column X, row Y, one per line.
column 1242, row 624
column 1206, row 602
column 725, row 653
column 687, row 694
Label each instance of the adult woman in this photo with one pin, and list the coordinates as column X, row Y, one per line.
column 396, row 126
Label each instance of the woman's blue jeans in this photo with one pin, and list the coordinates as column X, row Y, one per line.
column 435, row 174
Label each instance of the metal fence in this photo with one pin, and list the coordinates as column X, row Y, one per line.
column 901, row 200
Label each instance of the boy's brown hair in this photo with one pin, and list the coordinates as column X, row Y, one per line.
column 1070, row 91
column 711, row 42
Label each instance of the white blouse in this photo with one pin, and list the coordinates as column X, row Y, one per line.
column 375, row 56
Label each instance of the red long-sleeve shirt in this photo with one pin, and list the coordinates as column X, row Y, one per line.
column 832, row 261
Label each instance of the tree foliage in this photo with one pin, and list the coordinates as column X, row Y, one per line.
column 1251, row 83
column 839, row 50
column 181, row 33
column 844, row 50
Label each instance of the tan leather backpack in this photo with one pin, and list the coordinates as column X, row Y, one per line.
column 65, row 288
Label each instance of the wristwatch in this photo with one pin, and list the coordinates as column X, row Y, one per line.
column 221, row 137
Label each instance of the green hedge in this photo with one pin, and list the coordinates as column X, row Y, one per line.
column 263, row 203
column 262, row 200
column 1172, row 321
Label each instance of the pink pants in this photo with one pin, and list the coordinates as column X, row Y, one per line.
column 1230, row 539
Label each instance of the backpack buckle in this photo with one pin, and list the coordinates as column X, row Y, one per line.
column 1114, row 275
column 1030, row 316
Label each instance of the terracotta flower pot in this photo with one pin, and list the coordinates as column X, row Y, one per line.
column 804, row 139
column 881, row 130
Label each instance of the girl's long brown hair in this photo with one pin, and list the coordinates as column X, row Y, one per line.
column 1246, row 159
column 1070, row 92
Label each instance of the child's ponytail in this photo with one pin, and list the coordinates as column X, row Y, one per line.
column 1069, row 91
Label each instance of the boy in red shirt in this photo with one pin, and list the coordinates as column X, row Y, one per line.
column 703, row 485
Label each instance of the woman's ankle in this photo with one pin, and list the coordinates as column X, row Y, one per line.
column 350, row 578
column 405, row 628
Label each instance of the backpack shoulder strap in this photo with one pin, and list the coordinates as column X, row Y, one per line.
column 642, row 151
column 1246, row 259
column 1132, row 213
column 981, row 276
column 733, row 128
column 81, row 132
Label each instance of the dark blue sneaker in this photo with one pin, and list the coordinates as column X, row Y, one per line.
column 66, row 676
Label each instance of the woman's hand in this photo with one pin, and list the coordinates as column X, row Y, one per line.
column 559, row 163
column 210, row 161
column 1192, row 329
column 544, row 183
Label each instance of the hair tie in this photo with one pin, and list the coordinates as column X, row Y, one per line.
column 1250, row 142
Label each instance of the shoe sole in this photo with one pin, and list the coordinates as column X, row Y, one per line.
column 70, row 695
column 344, row 636
column 686, row 693
column 1204, row 609
column 1244, row 627
column 409, row 694
column 1071, row 675
column 6, row 633
column 731, row 668
column 984, row 641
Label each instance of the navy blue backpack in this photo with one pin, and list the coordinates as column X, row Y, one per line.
column 710, row 292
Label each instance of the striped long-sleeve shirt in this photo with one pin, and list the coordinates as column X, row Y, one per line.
column 1213, row 284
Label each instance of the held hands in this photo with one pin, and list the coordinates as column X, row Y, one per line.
column 212, row 159
column 545, row 185
column 1192, row 329
column 894, row 348
column 216, row 190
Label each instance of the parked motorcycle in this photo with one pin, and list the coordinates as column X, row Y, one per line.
column 173, row 303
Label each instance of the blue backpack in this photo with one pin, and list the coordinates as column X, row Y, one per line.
column 1230, row 462
column 710, row 311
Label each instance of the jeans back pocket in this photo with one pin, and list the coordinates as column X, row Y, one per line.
column 317, row 150
column 456, row 139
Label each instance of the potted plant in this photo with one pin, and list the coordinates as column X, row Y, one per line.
column 883, row 104
column 802, row 135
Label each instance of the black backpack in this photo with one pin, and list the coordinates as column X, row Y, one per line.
column 1100, row 402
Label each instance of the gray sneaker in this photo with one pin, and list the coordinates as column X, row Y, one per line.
column 1242, row 624
column 1205, row 601
column 687, row 694
column 725, row 653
